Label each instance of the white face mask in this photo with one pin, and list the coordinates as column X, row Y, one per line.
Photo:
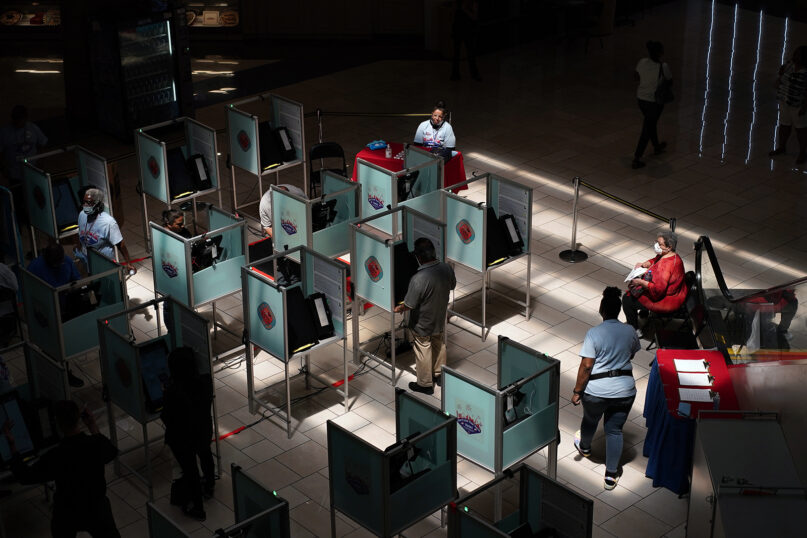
column 89, row 210
column 657, row 248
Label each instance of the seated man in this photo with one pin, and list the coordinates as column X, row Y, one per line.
column 265, row 208
column 174, row 220
column 54, row 267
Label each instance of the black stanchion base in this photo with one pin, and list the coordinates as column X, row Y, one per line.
column 573, row 256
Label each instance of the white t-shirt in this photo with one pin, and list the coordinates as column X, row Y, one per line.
column 649, row 78
column 102, row 234
column 265, row 207
column 430, row 137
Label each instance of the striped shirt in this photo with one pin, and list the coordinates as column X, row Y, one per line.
column 792, row 86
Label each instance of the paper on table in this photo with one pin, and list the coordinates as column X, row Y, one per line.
column 635, row 273
column 696, row 379
column 690, row 365
column 694, row 395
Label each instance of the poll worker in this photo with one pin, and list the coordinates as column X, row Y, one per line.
column 99, row 231
column 174, row 220
column 605, row 383
column 662, row 289
column 265, row 207
column 76, row 464
column 436, row 134
column 427, row 298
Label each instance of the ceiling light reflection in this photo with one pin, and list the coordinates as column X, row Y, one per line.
column 754, row 90
column 708, row 73
column 38, row 71
column 731, row 84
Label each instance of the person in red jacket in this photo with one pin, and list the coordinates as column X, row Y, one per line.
column 663, row 288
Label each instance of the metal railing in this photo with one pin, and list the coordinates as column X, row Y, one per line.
column 574, row 255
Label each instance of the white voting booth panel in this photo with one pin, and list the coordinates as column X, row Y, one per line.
column 163, row 173
column 243, row 133
column 468, row 243
column 282, row 318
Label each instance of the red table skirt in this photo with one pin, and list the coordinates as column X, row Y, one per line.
column 454, row 169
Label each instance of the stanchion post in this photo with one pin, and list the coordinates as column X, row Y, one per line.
column 573, row 255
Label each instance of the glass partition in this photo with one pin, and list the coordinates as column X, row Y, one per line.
column 750, row 325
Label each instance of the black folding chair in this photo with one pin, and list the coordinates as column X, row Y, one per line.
column 320, row 152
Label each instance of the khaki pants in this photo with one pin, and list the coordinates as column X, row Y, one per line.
column 430, row 356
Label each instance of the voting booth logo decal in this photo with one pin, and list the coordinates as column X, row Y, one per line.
column 354, row 476
column 375, row 199
column 243, row 140
column 169, row 268
column 465, row 231
column 266, row 316
column 288, row 224
column 39, row 197
column 467, row 421
column 374, row 269
column 154, row 168
column 123, row 371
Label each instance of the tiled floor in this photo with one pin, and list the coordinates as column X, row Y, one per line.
column 543, row 114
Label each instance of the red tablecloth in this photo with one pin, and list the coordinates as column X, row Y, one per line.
column 717, row 369
column 454, row 169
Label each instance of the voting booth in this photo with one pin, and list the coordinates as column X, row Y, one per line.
column 484, row 236
column 134, row 372
column 10, row 244
column 204, row 268
column 57, row 318
column 522, row 502
column 53, row 203
column 382, row 189
column 383, row 264
column 500, row 426
column 178, row 173
column 295, row 313
column 321, row 223
column 387, row 491
column 259, row 512
column 47, row 378
column 266, row 140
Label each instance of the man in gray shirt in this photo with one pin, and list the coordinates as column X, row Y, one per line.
column 427, row 298
column 265, row 206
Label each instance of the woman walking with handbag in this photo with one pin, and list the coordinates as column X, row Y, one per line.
column 655, row 81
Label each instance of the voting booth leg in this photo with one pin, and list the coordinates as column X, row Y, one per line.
column 250, row 355
column 215, row 325
column 527, row 299
column 552, row 459
column 288, row 402
column 354, row 317
column 393, row 345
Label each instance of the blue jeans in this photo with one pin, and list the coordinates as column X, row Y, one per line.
column 616, row 413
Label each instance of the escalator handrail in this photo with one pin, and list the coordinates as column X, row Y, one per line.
column 704, row 243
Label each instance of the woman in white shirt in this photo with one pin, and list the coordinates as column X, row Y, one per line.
column 650, row 72
column 436, row 133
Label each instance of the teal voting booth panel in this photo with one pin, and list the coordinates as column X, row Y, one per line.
column 289, row 220
column 119, row 363
column 476, row 408
column 419, row 225
column 535, row 416
column 431, row 204
column 92, row 172
column 465, row 232
column 429, row 167
column 201, row 140
column 242, row 130
column 372, row 269
column 357, row 479
column 423, row 468
column 289, row 114
column 264, row 309
column 259, row 511
column 508, row 197
column 376, row 193
column 111, row 300
column 170, row 264
column 334, row 239
column 39, row 200
column 221, row 278
column 9, row 234
column 528, row 504
column 151, row 162
column 161, row 525
column 46, row 377
column 42, row 314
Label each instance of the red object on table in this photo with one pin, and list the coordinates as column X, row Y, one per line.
column 717, row 369
column 453, row 170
